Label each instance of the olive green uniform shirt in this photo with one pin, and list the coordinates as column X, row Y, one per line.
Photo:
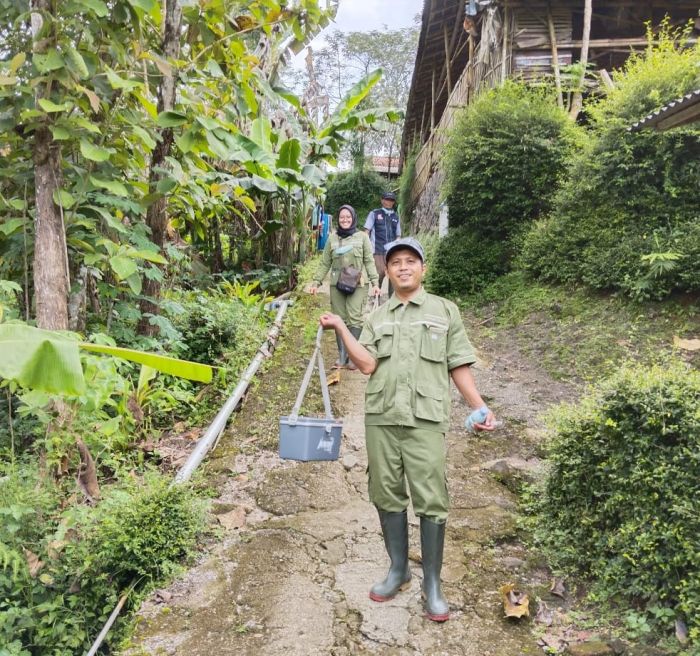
column 359, row 255
column 415, row 345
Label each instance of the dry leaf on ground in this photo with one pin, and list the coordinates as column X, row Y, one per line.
column 515, row 602
column 686, row 344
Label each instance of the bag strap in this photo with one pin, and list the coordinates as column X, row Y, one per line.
column 316, row 358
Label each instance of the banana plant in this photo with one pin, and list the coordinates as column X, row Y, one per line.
column 49, row 361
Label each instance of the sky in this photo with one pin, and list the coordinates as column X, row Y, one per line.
column 367, row 15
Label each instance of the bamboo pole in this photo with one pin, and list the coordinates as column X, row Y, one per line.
column 577, row 100
column 448, row 62
column 555, row 57
column 505, row 34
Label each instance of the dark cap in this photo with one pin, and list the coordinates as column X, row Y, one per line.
column 404, row 242
column 389, row 195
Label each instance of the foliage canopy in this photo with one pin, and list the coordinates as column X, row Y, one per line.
column 627, row 216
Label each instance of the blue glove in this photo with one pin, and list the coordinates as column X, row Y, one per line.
column 476, row 417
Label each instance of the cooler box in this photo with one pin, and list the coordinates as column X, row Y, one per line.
column 310, row 438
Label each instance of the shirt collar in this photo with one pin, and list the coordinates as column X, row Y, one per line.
column 418, row 299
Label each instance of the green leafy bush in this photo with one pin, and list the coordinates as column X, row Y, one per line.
column 504, row 160
column 214, row 323
column 142, row 531
column 627, row 216
column 620, row 499
column 463, row 263
column 62, row 570
column 361, row 189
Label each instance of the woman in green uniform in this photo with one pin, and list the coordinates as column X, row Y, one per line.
column 348, row 256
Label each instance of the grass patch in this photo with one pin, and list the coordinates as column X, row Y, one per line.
column 575, row 335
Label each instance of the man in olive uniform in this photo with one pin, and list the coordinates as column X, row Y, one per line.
column 411, row 346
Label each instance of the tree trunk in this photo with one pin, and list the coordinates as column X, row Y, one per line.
column 51, row 278
column 156, row 216
column 577, row 100
column 217, row 263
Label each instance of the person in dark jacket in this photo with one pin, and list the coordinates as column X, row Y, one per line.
column 383, row 226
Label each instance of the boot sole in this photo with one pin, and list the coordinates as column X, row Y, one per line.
column 375, row 597
column 437, row 618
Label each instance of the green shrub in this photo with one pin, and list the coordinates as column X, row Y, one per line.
column 463, row 263
column 430, row 241
column 142, row 531
column 213, row 323
column 504, row 160
column 626, row 217
column 361, row 189
column 620, row 499
column 62, row 570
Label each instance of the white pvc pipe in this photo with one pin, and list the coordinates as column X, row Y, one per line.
column 217, row 426
column 208, row 440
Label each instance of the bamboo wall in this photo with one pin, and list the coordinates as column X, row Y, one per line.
column 490, row 63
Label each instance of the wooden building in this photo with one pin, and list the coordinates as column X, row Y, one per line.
column 466, row 46
column 682, row 111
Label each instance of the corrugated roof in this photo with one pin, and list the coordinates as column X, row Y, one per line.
column 681, row 111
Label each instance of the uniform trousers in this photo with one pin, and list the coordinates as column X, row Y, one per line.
column 349, row 307
column 400, row 454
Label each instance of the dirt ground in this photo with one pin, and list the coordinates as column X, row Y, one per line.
column 301, row 544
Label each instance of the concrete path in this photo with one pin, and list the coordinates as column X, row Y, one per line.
column 291, row 574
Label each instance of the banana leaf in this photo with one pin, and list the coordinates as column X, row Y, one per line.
column 182, row 368
column 50, row 361
column 40, row 359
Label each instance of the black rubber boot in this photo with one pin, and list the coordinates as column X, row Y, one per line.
column 356, row 332
column 432, row 540
column 395, row 531
column 342, row 353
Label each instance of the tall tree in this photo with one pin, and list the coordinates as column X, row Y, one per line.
column 156, row 216
column 347, row 57
column 51, row 277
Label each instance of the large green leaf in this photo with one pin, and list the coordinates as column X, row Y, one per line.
column 11, row 225
column 289, row 155
column 114, row 186
column 49, row 106
column 45, row 63
column 171, row 119
column 97, row 6
column 256, row 152
column 50, row 362
column 261, row 133
column 351, row 100
column 173, row 366
column 76, row 63
column 40, row 359
column 123, row 266
column 313, row 175
column 269, row 186
column 92, row 152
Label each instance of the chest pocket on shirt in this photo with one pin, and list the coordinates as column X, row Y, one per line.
column 433, row 345
column 386, row 341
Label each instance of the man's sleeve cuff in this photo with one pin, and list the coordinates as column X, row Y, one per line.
column 460, row 362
